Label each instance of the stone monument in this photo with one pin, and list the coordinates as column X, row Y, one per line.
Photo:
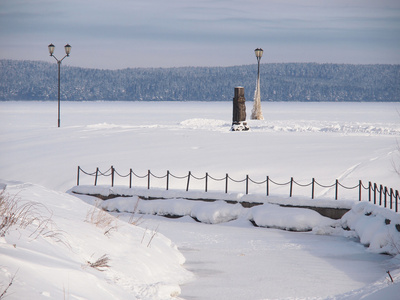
column 239, row 111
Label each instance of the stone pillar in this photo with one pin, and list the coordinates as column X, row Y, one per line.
column 239, row 110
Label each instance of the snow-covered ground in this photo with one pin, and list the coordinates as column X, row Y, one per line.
column 226, row 256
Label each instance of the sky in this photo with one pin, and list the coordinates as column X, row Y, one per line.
column 157, row 33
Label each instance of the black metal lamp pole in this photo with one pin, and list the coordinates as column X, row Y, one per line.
column 259, row 53
column 67, row 48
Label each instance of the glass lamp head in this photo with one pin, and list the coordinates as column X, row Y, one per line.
column 51, row 49
column 67, row 49
column 259, row 52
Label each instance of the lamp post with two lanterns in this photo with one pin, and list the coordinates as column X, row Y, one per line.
column 67, row 48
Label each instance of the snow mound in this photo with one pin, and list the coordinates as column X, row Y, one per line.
column 266, row 215
column 311, row 126
column 381, row 289
column 377, row 227
column 198, row 123
column 55, row 260
column 117, row 190
column 205, row 212
column 294, row 219
column 216, row 212
column 101, row 126
column 355, row 128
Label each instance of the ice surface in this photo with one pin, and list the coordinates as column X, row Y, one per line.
column 228, row 257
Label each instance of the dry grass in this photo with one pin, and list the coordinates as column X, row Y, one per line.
column 133, row 220
column 66, row 294
column 34, row 216
column 102, row 219
column 394, row 244
column 15, row 214
column 101, row 264
column 153, row 233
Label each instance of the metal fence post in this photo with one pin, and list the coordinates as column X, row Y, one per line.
column 291, row 186
column 187, row 185
column 226, row 183
column 95, row 178
column 369, row 191
column 167, row 179
column 312, row 188
column 112, row 176
column 77, row 178
column 336, row 189
column 130, row 178
column 384, row 197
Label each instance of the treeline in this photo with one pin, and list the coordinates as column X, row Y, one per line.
column 35, row 80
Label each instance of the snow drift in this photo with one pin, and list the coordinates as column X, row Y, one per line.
column 56, row 262
column 376, row 227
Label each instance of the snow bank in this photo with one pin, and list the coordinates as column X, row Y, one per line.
column 315, row 126
column 312, row 126
column 205, row 212
column 378, row 228
column 216, row 212
column 294, row 219
column 266, row 215
column 143, row 263
column 53, row 262
column 381, row 289
column 107, row 191
column 205, row 124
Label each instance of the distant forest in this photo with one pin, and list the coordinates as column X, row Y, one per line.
column 36, row 80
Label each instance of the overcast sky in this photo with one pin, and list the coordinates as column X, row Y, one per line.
column 115, row 34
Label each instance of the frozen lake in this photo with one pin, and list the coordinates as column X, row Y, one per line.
column 325, row 141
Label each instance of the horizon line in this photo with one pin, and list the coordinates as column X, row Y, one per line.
column 182, row 67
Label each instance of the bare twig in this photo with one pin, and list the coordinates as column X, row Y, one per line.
column 152, row 236
column 3, row 294
column 100, row 264
column 144, row 233
column 132, row 219
column 108, row 231
column 390, row 276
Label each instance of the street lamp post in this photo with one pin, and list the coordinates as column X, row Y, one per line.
column 67, row 48
column 259, row 53
column 256, row 113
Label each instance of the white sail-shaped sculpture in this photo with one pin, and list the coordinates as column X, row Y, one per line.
column 256, row 113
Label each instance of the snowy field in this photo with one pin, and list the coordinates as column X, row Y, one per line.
column 226, row 257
